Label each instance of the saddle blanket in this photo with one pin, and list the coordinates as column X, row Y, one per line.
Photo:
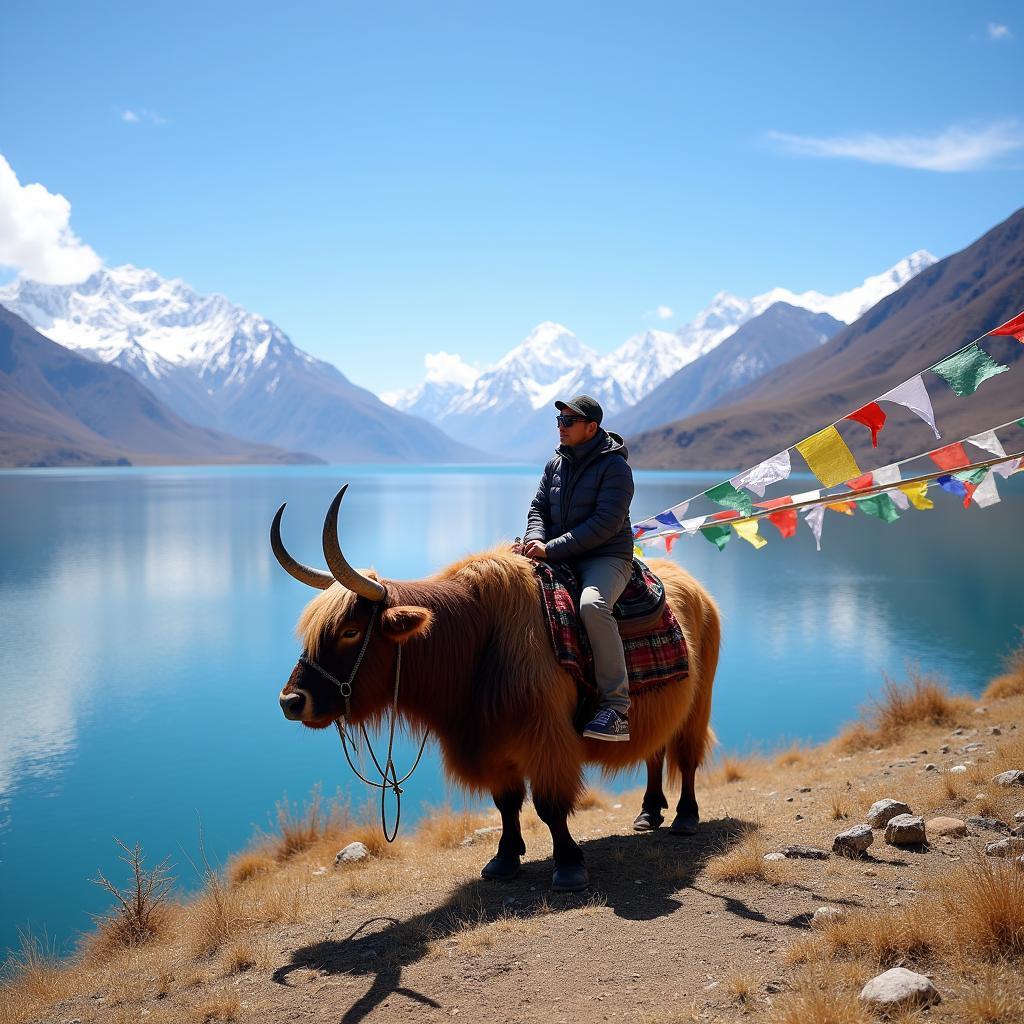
column 654, row 655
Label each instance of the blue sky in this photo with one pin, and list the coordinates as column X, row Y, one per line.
column 394, row 179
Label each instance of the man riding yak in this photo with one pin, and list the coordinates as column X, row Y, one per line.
column 487, row 654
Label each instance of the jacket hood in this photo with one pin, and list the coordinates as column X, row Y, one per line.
column 603, row 442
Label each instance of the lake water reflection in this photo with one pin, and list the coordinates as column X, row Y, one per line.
column 145, row 631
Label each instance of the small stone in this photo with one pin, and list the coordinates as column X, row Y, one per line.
column 972, row 746
column 981, row 711
column 944, row 749
column 798, row 817
column 805, row 852
column 1009, row 847
column 854, row 841
column 959, row 732
column 789, row 799
column 958, row 769
column 870, row 872
column 616, row 807
column 825, row 915
column 319, row 871
column 1010, row 778
column 883, row 810
column 1018, row 815
column 994, row 730
column 898, row 988
column 992, row 824
column 804, row 789
column 487, row 830
column 354, row 851
column 905, row 830
column 929, row 767
column 774, row 856
column 946, row 827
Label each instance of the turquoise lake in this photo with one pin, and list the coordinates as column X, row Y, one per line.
column 146, row 630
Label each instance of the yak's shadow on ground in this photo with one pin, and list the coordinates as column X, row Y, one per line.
column 665, row 866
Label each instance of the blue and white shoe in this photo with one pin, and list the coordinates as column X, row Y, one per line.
column 608, row 724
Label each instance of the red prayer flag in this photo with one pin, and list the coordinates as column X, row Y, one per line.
column 670, row 539
column 862, row 483
column 970, row 489
column 775, row 502
column 1014, row 327
column 785, row 520
column 873, row 417
column 952, row 456
column 730, row 514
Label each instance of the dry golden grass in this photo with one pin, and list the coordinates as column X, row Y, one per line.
column 443, row 828
column 791, row 756
column 223, row 1006
column 818, row 999
column 990, row 1002
column 1011, row 682
column 300, row 828
column 984, row 901
column 732, row 769
column 839, row 806
column 249, row 865
column 243, row 956
column 742, row 989
column 591, row 799
column 745, row 862
column 921, row 701
column 32, row 979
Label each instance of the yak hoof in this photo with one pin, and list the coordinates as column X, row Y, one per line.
column 684, row 825
column 647, row 821
column 501, row 869
column 570, row 878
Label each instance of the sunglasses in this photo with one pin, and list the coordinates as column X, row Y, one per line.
column 568, row 421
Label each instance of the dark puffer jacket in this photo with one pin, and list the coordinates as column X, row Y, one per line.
column 582, row 503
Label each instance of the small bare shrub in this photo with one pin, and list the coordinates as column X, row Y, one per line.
column 984, row 899
column 591, row 799
column 792, row 755
column 141, row 912
column 249, row 865
column 299, row 828
column 223, row 1006
column 443, row 828
column 1011, row 682
column 745, row 861
column 733, row 769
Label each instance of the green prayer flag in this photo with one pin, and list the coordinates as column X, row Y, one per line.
column 727, row 495
column 971, row 476
column 881, row 506
column 1020, row 423
column 965, row 371
column 718, row 535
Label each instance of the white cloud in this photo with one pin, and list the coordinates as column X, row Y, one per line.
column 35, row 234
column 130, row 117
column 665, row 313
column 956, row 148
column 999, row 31
column 449, row 368
column 140, row 115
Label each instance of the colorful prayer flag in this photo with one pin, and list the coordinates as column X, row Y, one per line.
column 722, row 517
column 727, row 495
column 828, row 457
column 777, row 502
column 771, row 471
column 846, row 507
column 748, row 530
column 862, row 483
column 718, row 535
column 691, row 526
column 954, row 486
column 670, row 539
column 881, row 506
column 988, row 442
column 986, row 493
column 952, row 456
column 891, row 475
column 784, row 521
column 814, row 519
column 918, row 494
column 873, row 417
column 913, row 395
column 1014, row 328
column 966, row 371
column 638, row 551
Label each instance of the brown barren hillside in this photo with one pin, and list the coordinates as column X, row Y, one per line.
column 673, row 929
column 946, row 306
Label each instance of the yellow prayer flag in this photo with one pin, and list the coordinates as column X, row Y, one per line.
column 747, row 529
column 846, row 507
column 828, row 457
column 918, row 494
column 638, row 551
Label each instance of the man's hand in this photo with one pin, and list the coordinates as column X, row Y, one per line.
column 534, row 549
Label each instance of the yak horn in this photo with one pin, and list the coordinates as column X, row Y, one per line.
column 303, row 573
column 343, row 572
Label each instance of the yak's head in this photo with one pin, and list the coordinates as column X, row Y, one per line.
column 333, row 629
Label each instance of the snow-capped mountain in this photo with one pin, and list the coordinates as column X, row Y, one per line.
column 551, row 361
column 221, row 366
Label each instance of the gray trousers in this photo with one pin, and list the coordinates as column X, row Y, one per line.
column 603, row 579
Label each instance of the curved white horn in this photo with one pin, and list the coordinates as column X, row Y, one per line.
column 303, row 573
column 343, row 572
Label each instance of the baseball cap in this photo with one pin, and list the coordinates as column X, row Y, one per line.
column 585, row 406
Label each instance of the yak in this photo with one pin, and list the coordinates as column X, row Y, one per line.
column 478, row 670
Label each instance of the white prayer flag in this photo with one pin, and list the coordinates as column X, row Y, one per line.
column 771, row 471
column 985, row 493
column 814, row 519
column 806, row 496
column 914, row 396
column 891, row 475
column 987, row 441
column 691, row 526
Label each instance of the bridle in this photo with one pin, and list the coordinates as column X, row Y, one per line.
column 388, row 774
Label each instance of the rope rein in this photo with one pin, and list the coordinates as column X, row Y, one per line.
column 388, row 774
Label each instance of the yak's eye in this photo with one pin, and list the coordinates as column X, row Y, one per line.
column 350, row 634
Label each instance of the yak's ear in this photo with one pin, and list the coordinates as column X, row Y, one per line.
column 405, row 621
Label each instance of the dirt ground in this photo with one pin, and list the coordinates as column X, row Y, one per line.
column 672, row 928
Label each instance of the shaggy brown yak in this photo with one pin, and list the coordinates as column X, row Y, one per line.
column 478, row 671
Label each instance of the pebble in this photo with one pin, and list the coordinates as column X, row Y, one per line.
column 944, row 749
column 995, row 731
column 487, row 830
column 798, row 817
column 825, row 915
column 854, row 841
column 806, row 852
column 992, row 824
column 930, row 767
column 1018, row 815
column 354, row 851
column 905, row 830
column 789, row 799
column 1009, row 847
column 898, row 988
column 774, row 856
column 882, row 811
column 946, row 826
column 1015, row 777
column 804, row 789
column 958, row 769
column 972, row 746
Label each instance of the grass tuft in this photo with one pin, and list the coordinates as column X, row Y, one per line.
column 1011, row 682
column 745, row 862
column 984, row 899
column 223, row 1006
column 444, row 829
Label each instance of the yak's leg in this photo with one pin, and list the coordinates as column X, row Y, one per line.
column 570, row 872
column 505, row 863
column 687, row 813
column 650, row 816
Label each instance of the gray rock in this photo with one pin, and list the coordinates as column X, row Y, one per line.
column 826, row 915
column 354, row 851
column 1010, row 778
column 1012, row 846
column 854, row 841
column 905, row 830
column 972, row 746
column 882, row 810
column 774, row 856
column 898, row 988
column 929, row 767
column 489, row 830
column 992, row 824
column 995, row 731
column 1018, row 815
column 806, row 852
column 944, row 749
column 958, row 769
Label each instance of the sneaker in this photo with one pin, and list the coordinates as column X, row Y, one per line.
column 608, row 724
